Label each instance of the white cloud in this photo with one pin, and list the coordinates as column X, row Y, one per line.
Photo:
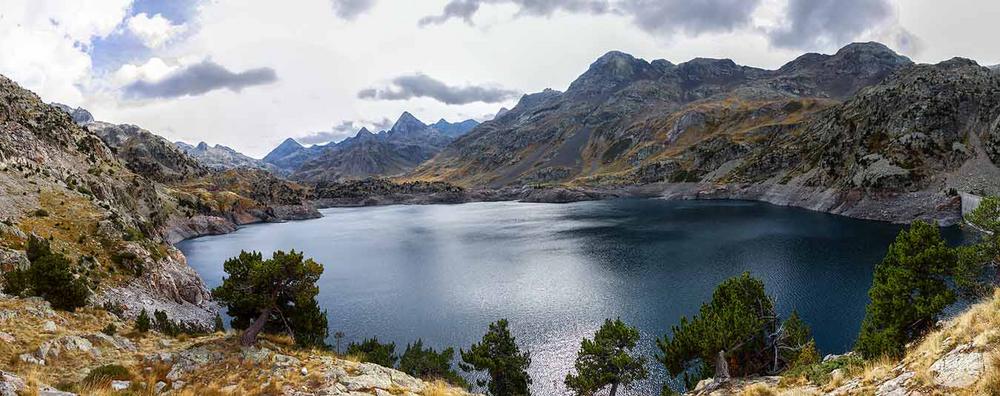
column 153, row 69
column 153, row 31
column 43, row 44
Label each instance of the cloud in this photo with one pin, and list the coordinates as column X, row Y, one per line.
column 820, row 24
column 344, row 130
column 423, row 86
column 691, row 17
column 198, row 79
column 350, row 9
column 153, row 31
column 45, row 43
column 465, row 9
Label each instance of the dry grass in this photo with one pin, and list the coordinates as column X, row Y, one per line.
column 990, row 384
column 758, row 390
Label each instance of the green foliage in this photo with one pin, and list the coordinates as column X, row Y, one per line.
column 606, row 360
column 797, row 341
column 738, row 320
column 504, row 363
column 909, row 291
column 164, row 325
column 972, row 275
column 275, row 295
column 986, row 215
column 142, row 322
column 373, row 351
column 429, row 364
column 41, row 213
column 106, row 374
column 219, row 326
column 49, row 276
column 110, row 329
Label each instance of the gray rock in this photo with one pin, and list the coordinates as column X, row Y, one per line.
column 49, row 326
column 959, row 368
column 160, row 385
column 120, row 385
column 10, row 384
column 6, row 337
column 50, row 391
column 895, row 386
column 31, row 359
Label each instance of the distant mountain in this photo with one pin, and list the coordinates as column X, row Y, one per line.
column 454, row 129
column 995, row 68
column 842, row 132
column 220, row 157
column 407, row 144
column 146, row 153
column 79, row 115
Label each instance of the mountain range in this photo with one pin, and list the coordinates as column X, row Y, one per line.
column 221, row 157
column 864, row 132
column 396, row 151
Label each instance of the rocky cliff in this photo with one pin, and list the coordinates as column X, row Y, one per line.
column 113, row 197
column 863, row 132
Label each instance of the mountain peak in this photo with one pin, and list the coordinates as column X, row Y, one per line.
column 284, row 149
column 364, row 132
column 407, row 123
column 611, row 70
column 202, row 146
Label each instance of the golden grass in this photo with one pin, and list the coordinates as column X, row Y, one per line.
column 758, row 390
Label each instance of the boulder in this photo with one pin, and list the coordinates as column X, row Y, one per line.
column 49, row 326
column 959, row 368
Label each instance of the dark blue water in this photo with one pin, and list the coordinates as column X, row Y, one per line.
column 556, row 271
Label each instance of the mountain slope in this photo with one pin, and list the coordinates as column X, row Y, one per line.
column 863, row 132
column 113, row 198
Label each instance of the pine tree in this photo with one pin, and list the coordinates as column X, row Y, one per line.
column 909, row 291
column 606, row 360
column 429, row 364
column 503, row 361
column 275, row 295
column 142, row 323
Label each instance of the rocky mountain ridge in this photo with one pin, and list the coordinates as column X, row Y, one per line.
column 401, row 148
column 863, row 132
column 219, row 157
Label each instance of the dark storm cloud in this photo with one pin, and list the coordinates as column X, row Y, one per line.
column 198, row 79
column 655, row 16
column 691, row 16
column 350, row 9
column 423, row 86
column 465, row 9
column 815, row 24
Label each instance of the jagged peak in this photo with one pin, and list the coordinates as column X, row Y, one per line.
column 202, row 146
column 290, row 142
column 407, row 123
column 364, row 132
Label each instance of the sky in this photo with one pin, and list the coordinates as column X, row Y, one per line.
column 250, row 73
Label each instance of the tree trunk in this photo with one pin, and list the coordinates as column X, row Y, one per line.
column 249, row 336
column 614, row 388
column 721, row 367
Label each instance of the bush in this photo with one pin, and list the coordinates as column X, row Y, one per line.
column 219, row 326
column 909, row 291
column 110, row 329
column 607, row 360
column 430, row 364
column 142, row 323
column 41, row 213
column 372, row 351
column 49, row 276
column 739, row 324
column 106, row 374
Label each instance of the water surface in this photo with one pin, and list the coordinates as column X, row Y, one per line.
column 556, row 271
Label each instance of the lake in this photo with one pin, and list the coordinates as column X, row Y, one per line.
column 556, row 271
